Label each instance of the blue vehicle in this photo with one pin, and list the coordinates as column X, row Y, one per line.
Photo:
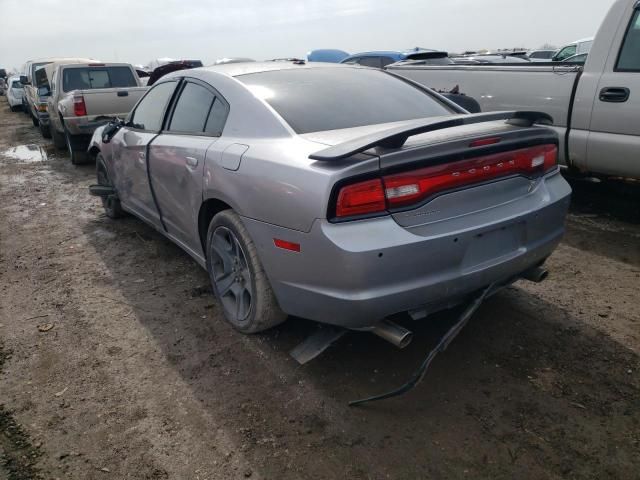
column 327, row 55
column 380, row 59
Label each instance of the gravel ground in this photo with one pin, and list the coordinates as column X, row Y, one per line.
column 137, row 376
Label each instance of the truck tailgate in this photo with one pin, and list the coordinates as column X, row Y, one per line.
column 111, row 101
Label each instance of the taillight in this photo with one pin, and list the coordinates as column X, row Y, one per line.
column 79, row 107
column 409, row 188
column 363, row 198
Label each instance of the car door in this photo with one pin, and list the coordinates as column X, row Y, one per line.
column 131, row 144
column 614, row 136
column 177, row 158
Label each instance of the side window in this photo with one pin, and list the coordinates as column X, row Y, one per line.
column 53, row 80
column 370, row 62
column 629, row 59
column 192, row 109
column 217, row 117
column 354, row 60
column 566, row 52
column 149, row 113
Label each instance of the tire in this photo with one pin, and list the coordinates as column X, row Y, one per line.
column 45, row 130
column 13, row 108
column 238, row 278
column 111, row 204
column 58, row 138
column 35, row 121
column 77, row 157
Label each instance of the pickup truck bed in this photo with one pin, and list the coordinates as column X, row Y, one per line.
column 101, row 105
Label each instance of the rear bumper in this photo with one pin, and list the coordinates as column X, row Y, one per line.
column 355, row 274
column 85, row 125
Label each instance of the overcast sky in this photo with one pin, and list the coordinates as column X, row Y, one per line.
column 138, row 31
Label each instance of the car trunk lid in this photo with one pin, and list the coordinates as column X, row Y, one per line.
column 443, row 168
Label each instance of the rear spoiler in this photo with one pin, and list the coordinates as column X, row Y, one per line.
column 396, row 137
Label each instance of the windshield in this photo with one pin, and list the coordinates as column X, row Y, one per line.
column 87, row 78
column 319, row 99
column 16, row 84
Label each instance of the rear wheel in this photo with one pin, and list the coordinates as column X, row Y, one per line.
column 110, row 203
column 58, row 138
column 237, row 276
column 45, row 130
column 76, row 154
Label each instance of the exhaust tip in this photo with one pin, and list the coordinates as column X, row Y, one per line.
column 393, row 333
column 536, row 275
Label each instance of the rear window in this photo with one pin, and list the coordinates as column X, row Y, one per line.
column 319, row 99
column 97, row 77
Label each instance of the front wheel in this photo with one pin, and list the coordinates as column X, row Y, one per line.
column 238, row 279
column 35, row 121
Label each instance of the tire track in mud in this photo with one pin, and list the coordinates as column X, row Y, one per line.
column 18, row 456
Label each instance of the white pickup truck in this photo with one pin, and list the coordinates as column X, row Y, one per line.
column 596, row 108
column 85, row 96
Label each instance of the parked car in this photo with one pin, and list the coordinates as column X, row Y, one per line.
column 83, row 96
column 36, row 97
column 225, row 60
column 541, row 55
column 574, row 48
column 3, row 81
column 15, row 93
column 580, row 59
column 328, row 55
column 381, row 59
column 596, row 108
column 173, row 66
column 333, row 192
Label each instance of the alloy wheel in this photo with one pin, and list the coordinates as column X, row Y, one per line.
column 231, row 274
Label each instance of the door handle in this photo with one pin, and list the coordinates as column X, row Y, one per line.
column 614, row 94
column 191, row 162
column 123, row 93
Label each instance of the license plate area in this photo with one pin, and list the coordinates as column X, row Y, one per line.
column 494, row 246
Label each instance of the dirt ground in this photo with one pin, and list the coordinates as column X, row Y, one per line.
column 137, row 376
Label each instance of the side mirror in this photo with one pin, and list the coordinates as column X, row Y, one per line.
column 24, row 80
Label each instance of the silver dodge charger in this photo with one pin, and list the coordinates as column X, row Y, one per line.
column 336, row 193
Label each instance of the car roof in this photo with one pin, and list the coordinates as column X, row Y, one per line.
column 236, row 69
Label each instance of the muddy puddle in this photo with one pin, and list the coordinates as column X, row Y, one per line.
column 25, row 154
